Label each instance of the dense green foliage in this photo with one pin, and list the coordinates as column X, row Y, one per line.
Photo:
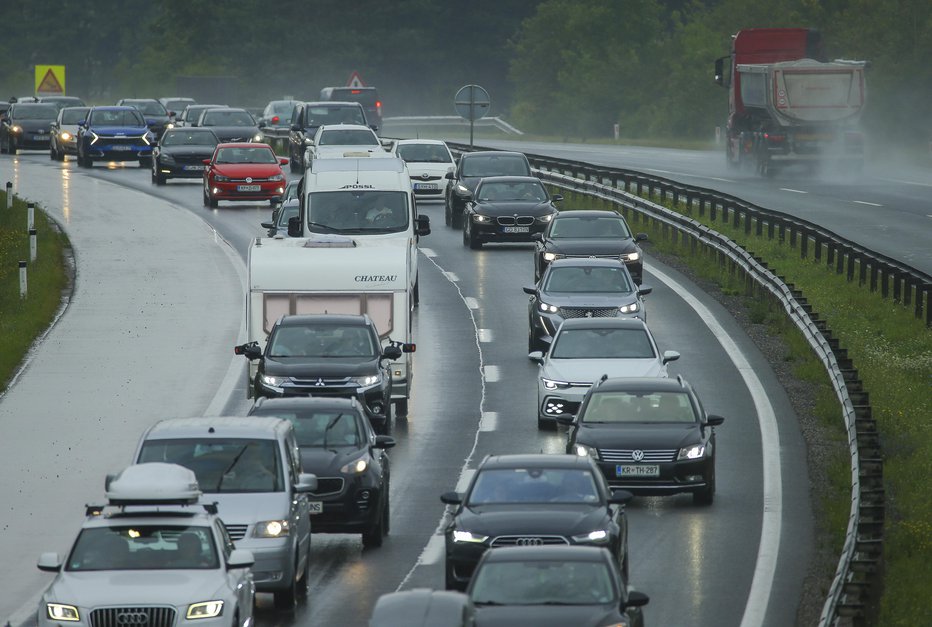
column 554, row 67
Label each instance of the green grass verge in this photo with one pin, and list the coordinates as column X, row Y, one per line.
column 22, row 320
column 893, row 353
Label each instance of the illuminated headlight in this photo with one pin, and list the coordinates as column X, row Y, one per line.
column 552, row 384
column 545, row 219
column 630, row 257
column 629, row 308
column 257, row 137
column 355, row 467
column 204, row 609
column 552, row 256
column 481, row 218
column 220, row 178
column 58, row 611
column 170, row 125
column 94, row 137
column 17, row 129
column 368, row 380
column 696, row 451
column 549, row 308
column 461, row 189
column 465, row 536
column 599, row 536
column 277, row 177
column 273, row 381
column 587, row 451
column 271, row 529
column 65, row 135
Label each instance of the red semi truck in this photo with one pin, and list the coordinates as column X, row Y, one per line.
column 787, row 104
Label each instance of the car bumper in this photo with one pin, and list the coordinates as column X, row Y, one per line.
column 274, row 566
column 492, row 232
column 674, row 477
column 31, row 141
column 120, row 152
column 181, row 171
column 268, row 190
column 352, row 509
column 180, row 611
column 560, row 405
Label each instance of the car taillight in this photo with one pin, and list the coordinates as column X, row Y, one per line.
column 378, row 105
column 774, row 138
column 275, row 119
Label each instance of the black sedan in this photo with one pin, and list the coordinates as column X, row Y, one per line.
column 338, row 445
column 649, row 436
column 181, row 153
column 589, row 233
column 231, row 125
column 25, row 126
column 157, row 117
column 507, row 209
column 470, row 169
column 553, row 586
column 581, row 288
column 532, row 500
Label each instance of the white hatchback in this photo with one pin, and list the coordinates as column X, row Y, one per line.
column 428, row 162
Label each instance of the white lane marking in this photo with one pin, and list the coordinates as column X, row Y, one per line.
column 695, row 176
column 489, row 421
column 485, row 335
column 906, row 182
column 433, row 551
column 463, row 482
column 765, row 568
column 430, row 551
column 492, row 374
column 451, row 276
column 428, row 252
column 795, row 191
column 869, row 204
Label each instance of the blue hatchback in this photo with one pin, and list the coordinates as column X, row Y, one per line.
column 114, row 134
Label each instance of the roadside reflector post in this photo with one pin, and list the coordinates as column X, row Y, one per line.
column 32, row 245
column 30, row 216
column 22, row 279
column 9, row 195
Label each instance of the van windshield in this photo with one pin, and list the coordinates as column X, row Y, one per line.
column 358, row 211
column 222, row 465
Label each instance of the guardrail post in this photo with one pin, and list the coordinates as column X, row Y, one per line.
column 9, row 195
column 817, row 255
column 830, row 260
column 803, row 245
column 853, row 258
column 897, row 294
column 873, row 286
column 884, row 283
column 23, row 286
column 840, row 261
column 713, row 205
column 32, row 245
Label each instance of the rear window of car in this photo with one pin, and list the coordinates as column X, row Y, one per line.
column 366, row 97
column 496, row 165
column 319, row 116
column 225, row 117
column 35, row 112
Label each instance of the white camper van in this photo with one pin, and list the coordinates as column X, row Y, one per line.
column 336, row 275
column 370, row 200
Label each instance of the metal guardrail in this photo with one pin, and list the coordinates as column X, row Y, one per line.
column 853, row 582
column 449, row 120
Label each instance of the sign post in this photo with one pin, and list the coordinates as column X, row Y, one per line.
column 50, row 80
column 472, row 103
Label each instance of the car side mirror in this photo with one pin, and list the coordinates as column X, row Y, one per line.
column 306, row 483
column 295, row 127
column 250, row 350
column 283, row 161
column 374, row 127
column 240, row 558
column 384, row 441
column 451, row 498
column 391, row 352
column 636, row 599
column 640, row 237
column 530, row 290
column 714, row 420
column 556, row 197
column 268, row 225
column 620, row 497
column 536, row 356
column 567, row 419
column 537, row 237
column 294, row 226
column 449, row 176
column 423, row 225
column 49, row 562
column 644, row 290
column 206, row 161
column 669, row 356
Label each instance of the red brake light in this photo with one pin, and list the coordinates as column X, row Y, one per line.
column 356, row 91
column 275, row 119
column 378, row 104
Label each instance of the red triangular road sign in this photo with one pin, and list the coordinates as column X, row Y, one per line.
column 355, row 80
column 49, row 84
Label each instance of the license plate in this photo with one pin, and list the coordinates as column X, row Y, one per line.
column 121, row 148
column 425, row 186
column 811, row 137
column 639, row 470
column 193, row 167
column 516, row 229
column 249, row 188
column 317, row 507
column 38, row 138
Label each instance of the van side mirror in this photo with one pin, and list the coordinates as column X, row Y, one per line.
column 423, row 225
column 250, row 350
column 306, row 483
column 294, row 226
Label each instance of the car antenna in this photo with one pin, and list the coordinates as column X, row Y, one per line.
column 357, row 171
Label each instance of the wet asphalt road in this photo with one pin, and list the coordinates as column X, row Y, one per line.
column 474, row 395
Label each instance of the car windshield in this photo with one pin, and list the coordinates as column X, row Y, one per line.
column 177, row 105
column 323, row 341
column 227, row 117
column 611, row 343
column 35, row 112
column 319, row 116
column 73, row 115
column 149, row 107
column 358, row 212
column 496, row 486
column 191, row 114
column 639, row 407
column 424, row 153
column 116, row 117
column 325, row 428
column 189, row 137
column 246, row 154
column 571, row 227
column 495, row 165
column 144, row 547
column 280, row 108
column 539, row 582
column 498, row 191
column 587, row 280
column 348, row 137
column 222, row 465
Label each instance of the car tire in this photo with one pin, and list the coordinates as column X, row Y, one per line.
column 387, row 514
column 450, row 582
column 447, row 219
column 373, row 536
column 304, row 586
column 52, row 155
column 456, row 218
column 286, row 599
column 294, row 166
column 470, row 239
column 417, row 292
column 236, row 622
column 706, row 496
column 59, row 155
column 544, row 424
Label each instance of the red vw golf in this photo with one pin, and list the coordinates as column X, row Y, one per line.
column 243, row 172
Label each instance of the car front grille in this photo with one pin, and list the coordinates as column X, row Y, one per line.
column 328, row 485
column 557, row 407
column 190, row 159
column 321, row 381
column 133, row 617
column 627, row 455
column 252, row 180
column 236, row 532
column 515, row 220
column 528, row 540
column 589, row 312
column 591, row 256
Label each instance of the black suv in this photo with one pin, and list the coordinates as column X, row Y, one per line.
column 338, row 445
column 533, row 500
column 473, row 167
column 327, row 355
column 648, row 436
column 307, row 117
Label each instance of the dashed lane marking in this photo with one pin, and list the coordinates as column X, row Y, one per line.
column 492, row 374
column 471, row 302
column 795, row 191
column 485, row 335
column 869, row 204
column 489, row 421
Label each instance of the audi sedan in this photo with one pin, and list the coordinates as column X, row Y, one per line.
column 589, row 233
column 507, row 209
column 532, row 500
column 648, row 436
column 243, row 171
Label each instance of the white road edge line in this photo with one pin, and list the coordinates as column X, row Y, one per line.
column 428, row 252
column 451, row 276
column 795, row 191
column 869, row 204
column 767, row 552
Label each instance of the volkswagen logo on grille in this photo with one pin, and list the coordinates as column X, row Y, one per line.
column 529, row 542
column 249, row 179
column 320, row 383
column 637, row 455
column 132, row 618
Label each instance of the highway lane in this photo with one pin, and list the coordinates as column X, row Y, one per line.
column 696, row 564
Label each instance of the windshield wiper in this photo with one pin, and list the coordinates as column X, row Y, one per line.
column 328, row 228
column 230, row 467
column 330, row 426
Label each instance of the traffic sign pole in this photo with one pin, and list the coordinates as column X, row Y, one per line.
column 471, row 103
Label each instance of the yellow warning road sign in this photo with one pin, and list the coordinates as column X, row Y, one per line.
column 355, row 80
column 50, row 80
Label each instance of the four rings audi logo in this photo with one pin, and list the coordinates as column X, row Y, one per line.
column 529, row 542
column 132, row 618
column 637, row 455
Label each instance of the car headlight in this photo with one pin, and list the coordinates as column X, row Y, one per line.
column 17, row 129
column 170, row 125
column 273, row 381
column 630, row 257
column 466, row 536
column 65, row 135
column 552, row 384
column 629, row 308
column 548, row 308
column 257, row 137
column 220, row 178
column 277, row 177
column 587, row 451
column 481, row 218
column 695, row 451
column 356, row 467
column 599, row 536
column 545, row 219
column 270, row 529
column 94, row 137
column 204, row 609
column 461, row 189
column 552, row 256
column 59, row 611
column 368, row 380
